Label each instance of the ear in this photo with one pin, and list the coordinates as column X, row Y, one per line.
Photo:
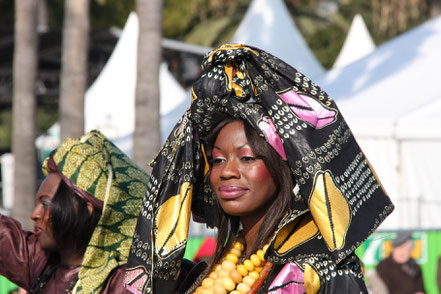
column 90, row 208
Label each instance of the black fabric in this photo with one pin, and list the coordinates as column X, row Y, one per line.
column 340, row 200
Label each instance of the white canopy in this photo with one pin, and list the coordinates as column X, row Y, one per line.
column 110, row 101
column 358, row 43
column 267, row 25
column 392, row 100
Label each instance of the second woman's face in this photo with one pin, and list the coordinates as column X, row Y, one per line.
column 241, row 180
column 41, row 213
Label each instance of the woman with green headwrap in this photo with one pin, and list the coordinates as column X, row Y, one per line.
column 84, row 221
column 265, row 156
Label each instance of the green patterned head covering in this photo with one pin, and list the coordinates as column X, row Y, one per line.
column 102, row 174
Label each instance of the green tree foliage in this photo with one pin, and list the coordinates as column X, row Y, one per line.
column 109, row 13
column 103, row 13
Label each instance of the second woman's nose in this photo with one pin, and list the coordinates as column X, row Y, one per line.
column 36, row 213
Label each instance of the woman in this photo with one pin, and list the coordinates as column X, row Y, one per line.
column 84, row 221
column 287, row 186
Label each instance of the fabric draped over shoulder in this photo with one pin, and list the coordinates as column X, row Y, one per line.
column 340, row 199
column 97, row 170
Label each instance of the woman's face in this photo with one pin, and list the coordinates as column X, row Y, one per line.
column 241, row 181
column 41, row 213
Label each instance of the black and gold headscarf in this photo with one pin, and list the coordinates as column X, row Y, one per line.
column 340, row 200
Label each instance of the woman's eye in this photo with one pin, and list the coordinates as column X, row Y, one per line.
column 216, row 161
column 248, row 158
column 46, row 203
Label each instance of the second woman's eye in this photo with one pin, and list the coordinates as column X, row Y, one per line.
column 46, row 203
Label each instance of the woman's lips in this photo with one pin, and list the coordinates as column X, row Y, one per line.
column 37, row 231
column 231, row 192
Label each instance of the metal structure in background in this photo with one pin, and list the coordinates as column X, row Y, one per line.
column 183, row 61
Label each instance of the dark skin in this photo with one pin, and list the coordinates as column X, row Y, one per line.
column 43, row 227
column 242, row 183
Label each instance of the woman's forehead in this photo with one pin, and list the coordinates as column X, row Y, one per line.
column 49, row 186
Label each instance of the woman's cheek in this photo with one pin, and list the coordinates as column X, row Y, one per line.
column 261, row 173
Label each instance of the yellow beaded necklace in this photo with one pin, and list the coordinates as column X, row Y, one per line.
column 230, row 277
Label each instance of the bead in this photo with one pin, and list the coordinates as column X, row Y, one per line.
column 236, row 276
column 228, row 283
column 233, row 258
column 213, row 275
column 228, row 265
column 254, row 274
column 222, row 273
column 227, row 275
column 207, row 283
column 242, row 270
column 261, row 254
column 238, row 246
column 255, row 259
column 248, row 280
column 243, row 288
column 249, row 265
column 236, row 252
column 219, row 289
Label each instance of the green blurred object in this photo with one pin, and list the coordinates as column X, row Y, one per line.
column 7, row 287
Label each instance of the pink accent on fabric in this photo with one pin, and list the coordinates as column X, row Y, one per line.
column 132, row 275
column 309, row 109
column 267, row 126
column 132, row 290
column 291, row 276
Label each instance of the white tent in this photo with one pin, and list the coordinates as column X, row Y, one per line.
column 267, row 25
column 392, row 100
column 110, row 101
column 358, row 43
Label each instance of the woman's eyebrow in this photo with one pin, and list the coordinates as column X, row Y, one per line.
column 40, row 197
column 242, row 146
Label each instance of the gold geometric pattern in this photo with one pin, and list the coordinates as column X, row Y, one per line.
column 330, row 210
column 172, row 221
column 303, row 231
column 312, row 280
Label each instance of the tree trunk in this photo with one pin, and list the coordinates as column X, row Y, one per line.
column 146, row 139
column 42, row 21
column 74, row 68
column 23, row 109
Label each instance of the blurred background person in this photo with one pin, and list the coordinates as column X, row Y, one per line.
column 399, row 271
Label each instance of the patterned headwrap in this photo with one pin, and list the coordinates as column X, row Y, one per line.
column 340, row 200
column 100, row 173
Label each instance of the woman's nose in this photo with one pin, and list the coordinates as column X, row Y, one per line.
column 230, row 170
column 36, row 213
